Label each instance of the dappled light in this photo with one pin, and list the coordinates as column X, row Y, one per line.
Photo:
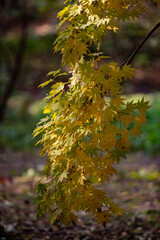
column 44, row 29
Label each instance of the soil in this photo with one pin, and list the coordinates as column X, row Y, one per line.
column 136, row 189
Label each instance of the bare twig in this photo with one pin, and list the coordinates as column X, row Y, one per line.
column 129, row 60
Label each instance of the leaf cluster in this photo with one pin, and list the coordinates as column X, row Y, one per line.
column 88, row 126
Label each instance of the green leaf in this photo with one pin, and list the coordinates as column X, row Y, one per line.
column 54, row 73
column 62, row 176
column 45, row 83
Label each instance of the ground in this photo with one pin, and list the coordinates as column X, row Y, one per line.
column 136, row 189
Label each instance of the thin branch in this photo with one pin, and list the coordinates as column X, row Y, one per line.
column 129, row 60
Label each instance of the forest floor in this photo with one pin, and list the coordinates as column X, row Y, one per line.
column 136, row 189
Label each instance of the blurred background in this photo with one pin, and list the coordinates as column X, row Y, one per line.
column 27, row 33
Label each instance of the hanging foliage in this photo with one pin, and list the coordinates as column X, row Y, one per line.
column 88, row 125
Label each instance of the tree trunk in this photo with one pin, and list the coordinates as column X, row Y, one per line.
column 16, row 68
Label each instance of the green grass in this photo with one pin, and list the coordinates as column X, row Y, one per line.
column 150, row 139
column 20, row 121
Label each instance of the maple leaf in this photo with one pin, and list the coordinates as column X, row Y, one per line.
column 88, row 126
column 62, row 176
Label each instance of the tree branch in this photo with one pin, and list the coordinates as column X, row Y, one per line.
column 126, row 62
column 129, row 60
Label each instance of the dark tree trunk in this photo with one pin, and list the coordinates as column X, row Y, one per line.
column 16, row 68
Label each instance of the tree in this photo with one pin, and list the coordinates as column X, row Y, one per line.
column 26, row 14
column 88, row 124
